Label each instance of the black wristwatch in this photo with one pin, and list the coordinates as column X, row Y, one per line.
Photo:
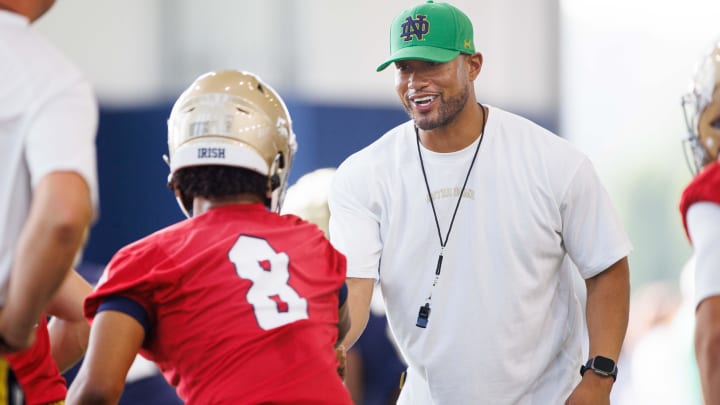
column 602, row 366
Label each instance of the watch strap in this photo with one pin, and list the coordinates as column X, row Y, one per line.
column 592, row 364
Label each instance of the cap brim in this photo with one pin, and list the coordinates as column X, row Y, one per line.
column 426, row 53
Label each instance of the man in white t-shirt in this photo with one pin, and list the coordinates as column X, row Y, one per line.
column 48, row 179
column 700, row 209
column 466, row 215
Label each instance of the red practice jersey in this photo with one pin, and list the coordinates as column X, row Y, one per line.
column 242, row 306
column 703, row 187
column 36, row 370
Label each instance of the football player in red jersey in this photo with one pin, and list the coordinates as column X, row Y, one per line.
column 237, row 304
column 700, row 209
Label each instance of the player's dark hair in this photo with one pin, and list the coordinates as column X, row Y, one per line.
column 215, row 181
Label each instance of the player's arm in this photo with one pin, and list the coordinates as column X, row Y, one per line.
column 343, row 327
column 608, row 305
column 702, row 220
column 707, row 347
column 115, row 338
column 60, row 214
column 343, row 314
column 359, row 295
column 69, row 330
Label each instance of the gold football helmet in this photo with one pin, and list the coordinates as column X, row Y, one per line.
column 702, row 112
column 233, row 118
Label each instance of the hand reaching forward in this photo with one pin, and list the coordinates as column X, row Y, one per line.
column 341, row 355
column 593, row 389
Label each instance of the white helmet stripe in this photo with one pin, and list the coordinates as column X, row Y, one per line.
column 218, row 153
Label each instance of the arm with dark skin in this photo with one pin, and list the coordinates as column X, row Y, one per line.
column 356, row 314
column 359, row 295
column 344, row 322
column 707, row 347
column 343, row 327
column 115, row 339
column 608, row 304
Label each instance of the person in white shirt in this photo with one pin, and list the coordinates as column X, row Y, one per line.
column 466, row 215
column 48, row 175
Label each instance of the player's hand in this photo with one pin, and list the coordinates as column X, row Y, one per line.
column 593, row 389
column 341, row 355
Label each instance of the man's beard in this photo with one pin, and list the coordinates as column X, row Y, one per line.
column 447, row 112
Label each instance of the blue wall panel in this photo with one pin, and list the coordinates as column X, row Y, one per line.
column 134, row 199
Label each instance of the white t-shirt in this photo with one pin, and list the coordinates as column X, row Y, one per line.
column 48, row 122
column 702, row 222
column 505, row 326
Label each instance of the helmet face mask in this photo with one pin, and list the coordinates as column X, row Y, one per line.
column 233, row 118
column 695, row 155
column 701, row 108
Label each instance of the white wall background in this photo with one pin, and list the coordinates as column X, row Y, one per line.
column 624, row 66
column 140, row 50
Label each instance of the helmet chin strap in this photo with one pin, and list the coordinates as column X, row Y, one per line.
column 274, row 184
column 184, row 209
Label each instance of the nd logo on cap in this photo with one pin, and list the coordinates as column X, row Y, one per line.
column 433, row 32
column 415, row 27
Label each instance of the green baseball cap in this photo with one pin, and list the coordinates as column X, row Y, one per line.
column 434, row 32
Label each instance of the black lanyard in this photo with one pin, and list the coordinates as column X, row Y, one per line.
column 424, row 313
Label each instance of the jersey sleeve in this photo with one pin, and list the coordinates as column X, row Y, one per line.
column 354, row 226
column 128, row 275
column 593, row 234
column 704, row 187
column 702, row 220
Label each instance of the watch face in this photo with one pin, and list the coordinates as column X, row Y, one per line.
column 603, row 364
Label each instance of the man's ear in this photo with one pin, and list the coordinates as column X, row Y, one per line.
column 474, row 65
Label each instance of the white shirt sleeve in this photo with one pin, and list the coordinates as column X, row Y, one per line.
column 62, row 136
column 593, row 234
column 354, row 226
column 703, row 221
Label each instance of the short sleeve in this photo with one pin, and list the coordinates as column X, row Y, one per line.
column 127, row 275
column 702, row 220
column 354, row 227
column 592, row 232
column 703, row 187
column 62, row 135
